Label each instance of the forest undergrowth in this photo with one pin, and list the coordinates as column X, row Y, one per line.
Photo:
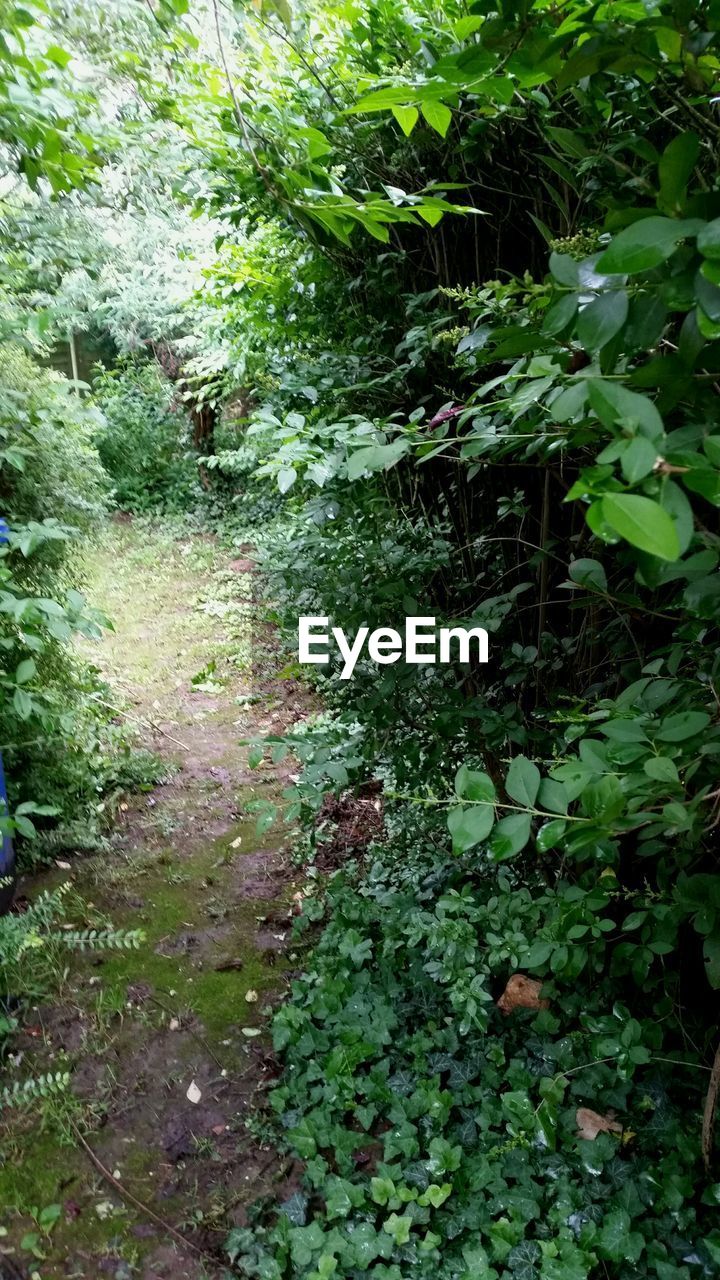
column 423, row 302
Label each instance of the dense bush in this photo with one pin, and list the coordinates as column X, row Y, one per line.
column 467, row 302
column 52, row 729
column 542, row 462
column 143, row 441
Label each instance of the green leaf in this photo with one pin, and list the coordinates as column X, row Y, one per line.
column 616, row 1241
column 661, row 769
column 523, row 781
column 588, row 573
column 286, row 478
column 559, row 315
column 708, row 240
column 437, row 115
column 553, row 796
column 638, row 459
column 407, row 118
column 643, row 523
column 376, row 457
column 398, row 1228
column 614, row 403
column 711, row 446
column 255, row 755
column 550, row 834
column 682, row 725
column 603, row 800
column 602, row 318
column 674, row 170
column 645, row 244
column 471, row 784
column 469, row 824
column 25, row 670
column 711, row 952
column 510, row 836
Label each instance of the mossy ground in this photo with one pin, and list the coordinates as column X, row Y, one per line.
column 184, row 1011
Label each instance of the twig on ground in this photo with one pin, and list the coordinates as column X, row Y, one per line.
column 133, row 1200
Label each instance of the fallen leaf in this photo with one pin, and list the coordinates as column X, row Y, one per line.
column 251, row 1031
column 218, row 1129
column 591, row 1123
column 235, row 844
column 251, row 997
column 224, row 965
column 521, row 992
column 64, row 866
column 174, row 1024
column 193, row 1094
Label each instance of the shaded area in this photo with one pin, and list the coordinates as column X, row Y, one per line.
column 165, row 1042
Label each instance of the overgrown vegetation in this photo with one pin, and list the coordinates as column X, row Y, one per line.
column 462, row 326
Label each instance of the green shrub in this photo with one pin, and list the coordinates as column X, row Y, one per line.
column 144, row 441
column 61, row 753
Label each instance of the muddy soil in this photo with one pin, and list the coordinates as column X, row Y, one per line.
column 166, row 1043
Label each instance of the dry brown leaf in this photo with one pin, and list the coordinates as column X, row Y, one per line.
column 591, row 1123
column 521, row 992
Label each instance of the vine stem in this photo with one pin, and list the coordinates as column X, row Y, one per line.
column 492, row 804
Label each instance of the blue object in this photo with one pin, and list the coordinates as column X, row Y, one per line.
column 7, row 854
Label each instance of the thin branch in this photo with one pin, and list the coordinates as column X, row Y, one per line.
column 137, row 1204
column 239, row 115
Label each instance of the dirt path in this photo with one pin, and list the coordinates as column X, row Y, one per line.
column 164, row 1042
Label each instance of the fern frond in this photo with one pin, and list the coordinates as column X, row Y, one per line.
column 24, row 1092
column 102, row 939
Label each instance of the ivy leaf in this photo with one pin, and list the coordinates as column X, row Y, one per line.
column 295, row 1208
column 523, row 1260
column 523, row 781
column 616, row 1241
column 643, row 523
column 645, row 244
column 398, row 1228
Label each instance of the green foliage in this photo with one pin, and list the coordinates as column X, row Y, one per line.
column 506, row 418
column 535, row 456
column 54, row 493
column 143, row 441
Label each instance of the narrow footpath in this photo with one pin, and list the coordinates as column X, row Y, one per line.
column 166, row 1043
